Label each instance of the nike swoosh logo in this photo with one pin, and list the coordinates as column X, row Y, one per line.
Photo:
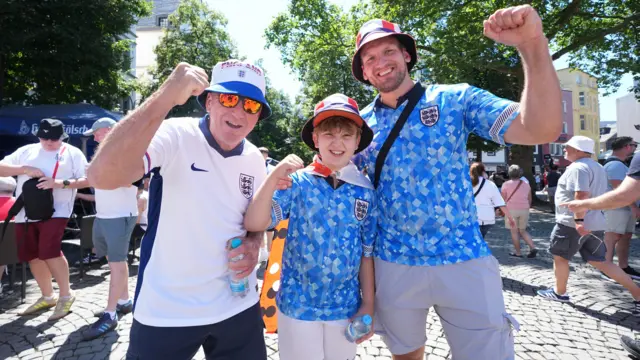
column 194, row 168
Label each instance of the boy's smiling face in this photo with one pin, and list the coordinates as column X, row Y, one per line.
column 336, row 142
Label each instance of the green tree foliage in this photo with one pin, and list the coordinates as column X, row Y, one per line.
column 66, row 51
column 316, row 40
column 196, row 35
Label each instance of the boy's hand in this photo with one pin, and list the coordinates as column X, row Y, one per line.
column 365, row 309
column 286, row 167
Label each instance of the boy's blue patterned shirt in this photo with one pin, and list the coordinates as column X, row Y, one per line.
column 427, row 214
column 330, row 230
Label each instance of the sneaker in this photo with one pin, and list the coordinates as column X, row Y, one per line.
column 40, row 305
column 550, row 294
column 100, row 327
column 632, row 273
column 63, row 308
column 123, row 309
column 636, row 307
column 631, row 345
column 90, row 259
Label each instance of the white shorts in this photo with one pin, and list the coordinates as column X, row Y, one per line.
column 620, row 221
column 313, row 340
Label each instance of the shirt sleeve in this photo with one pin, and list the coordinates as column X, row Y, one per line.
column 487, row 115
column 369, row 229
column 79, row 165
column 578, row 179
column 163, row 145
column 616, row 171
column 281, row 205
column 634, row 168
column 496, row 197
column 13, row 158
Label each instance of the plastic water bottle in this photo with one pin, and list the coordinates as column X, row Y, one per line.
column 358, row 328
column 239, row 287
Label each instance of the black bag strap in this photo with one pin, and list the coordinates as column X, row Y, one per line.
column 613, row 159
column 414, row 97
column 13, row 211
column 480, row 188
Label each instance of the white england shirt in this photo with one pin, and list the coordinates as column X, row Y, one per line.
column 197, row 200
column 72, row 165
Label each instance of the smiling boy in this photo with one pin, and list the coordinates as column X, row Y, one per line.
column 327, row 256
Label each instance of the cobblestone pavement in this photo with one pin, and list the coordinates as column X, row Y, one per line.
column 589, row 328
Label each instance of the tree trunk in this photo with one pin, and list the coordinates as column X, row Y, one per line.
column 479, row 156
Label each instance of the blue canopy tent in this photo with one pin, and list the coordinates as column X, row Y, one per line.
column 18, row 124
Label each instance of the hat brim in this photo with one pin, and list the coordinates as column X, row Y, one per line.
column 405, row 39
column 237, row 88
column 40, row 135
column 88, row 132
column 307, row 130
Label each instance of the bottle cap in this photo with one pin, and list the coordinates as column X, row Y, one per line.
column 235, row 243
column 367, row 319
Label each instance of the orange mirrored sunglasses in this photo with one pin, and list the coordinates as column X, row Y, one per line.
column 249, row 105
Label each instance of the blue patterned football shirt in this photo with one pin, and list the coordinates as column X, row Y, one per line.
column 427, row 214
column 330, row 230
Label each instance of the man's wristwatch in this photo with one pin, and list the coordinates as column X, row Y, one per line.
column 578, row 220
column 65, row 184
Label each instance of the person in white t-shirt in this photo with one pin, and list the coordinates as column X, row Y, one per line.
column 60, row 167
column 487, row 198
column 116, row 215
column 204, row 174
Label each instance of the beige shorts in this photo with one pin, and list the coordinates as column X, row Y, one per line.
column 620, row 221
column 467, row 297
column 521, row 217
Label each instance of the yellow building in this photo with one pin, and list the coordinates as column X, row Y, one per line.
column 586, row 109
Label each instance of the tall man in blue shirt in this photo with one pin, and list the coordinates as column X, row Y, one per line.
column 429, row 250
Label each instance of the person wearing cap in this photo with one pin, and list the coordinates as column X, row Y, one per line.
column 331, row 210
column 428, row 226
column 621, row 222
column 205, row 173
column 581, row 231
column 117, row 212
column 61, row 167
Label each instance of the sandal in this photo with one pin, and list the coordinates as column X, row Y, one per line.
column 532, row 253
column 515, row 255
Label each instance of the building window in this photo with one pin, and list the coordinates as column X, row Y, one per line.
column 555, row 149
column 583, row 123
column 491, row 153
column 163, row 21
column 581, row 97
column 535, row 149
column 564, row 106
column 578, row 79
column 565, row 128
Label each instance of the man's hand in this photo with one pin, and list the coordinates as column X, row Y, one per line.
column 185, row 81
column 514, row 26
column 364, row 309
column 249, row 250
column 49, row 183
column 581, row 230
column 512, row 222
column 636, row 212
column 32, row 172
column 576, row 206
column 286, row 167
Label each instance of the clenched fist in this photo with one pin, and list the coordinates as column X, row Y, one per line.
column 185, row 81
column 514, row 26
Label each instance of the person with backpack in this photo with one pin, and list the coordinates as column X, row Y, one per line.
column 488, row 199
column 418, row 161
column 49, row 172
column 621, row 222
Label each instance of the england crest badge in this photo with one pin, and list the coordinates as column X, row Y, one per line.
column 430, row 115
column 246, row 185
column 361, row 209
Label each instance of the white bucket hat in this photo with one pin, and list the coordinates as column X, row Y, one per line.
column 581, row 143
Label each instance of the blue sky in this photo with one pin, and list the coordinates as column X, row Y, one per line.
column 248, row 20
